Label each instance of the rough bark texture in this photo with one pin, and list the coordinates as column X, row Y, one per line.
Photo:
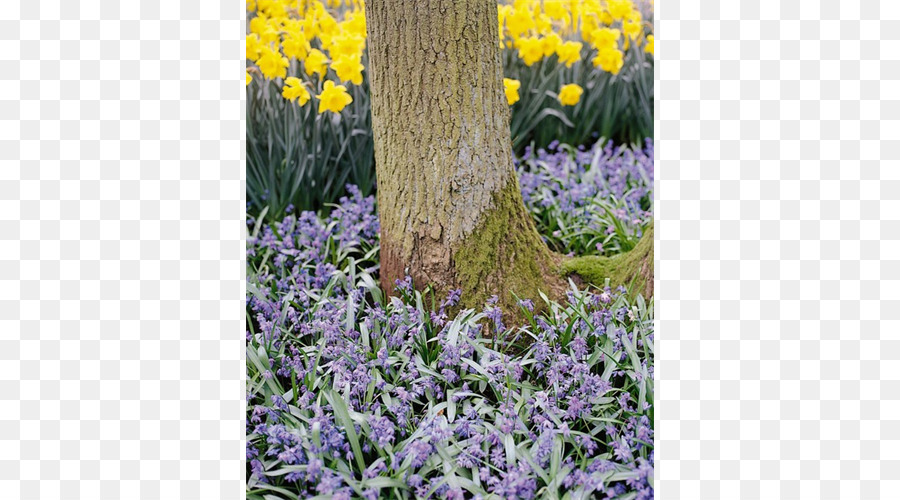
column 633, row 269
column 449, row 200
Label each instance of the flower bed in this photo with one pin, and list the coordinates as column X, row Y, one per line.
column 574, row 71
column 589, row 201
column 352, row 394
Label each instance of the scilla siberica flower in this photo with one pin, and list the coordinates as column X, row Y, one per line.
column 305, row 345
column 382, row 431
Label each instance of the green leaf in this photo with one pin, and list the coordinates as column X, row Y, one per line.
column 510, row 445
column 343, row 415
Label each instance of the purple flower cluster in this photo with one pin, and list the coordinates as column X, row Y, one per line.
column 422, row 386
column 589, row 201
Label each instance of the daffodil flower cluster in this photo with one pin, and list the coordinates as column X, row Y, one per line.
column 321, row 42
column 538, row 29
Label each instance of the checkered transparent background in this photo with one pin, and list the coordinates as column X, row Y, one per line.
column 778, row 201
column 121, row 338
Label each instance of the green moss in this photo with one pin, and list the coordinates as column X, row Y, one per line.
column 633, row 269
column 504, row 255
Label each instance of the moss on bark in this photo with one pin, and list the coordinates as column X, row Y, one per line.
column 633, row 269
column 505, row 256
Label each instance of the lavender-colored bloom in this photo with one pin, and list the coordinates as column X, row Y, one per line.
column 419, row 450
column 382, row 431
column 544, row 448
column 342, row 494
column 494, row 313
column 438, row 429
column 303, row 302
column 329, row 483
column 258, row 471
column 527, row 304
column 455, row 493
column 404, row 285
column 513, row 484
column 578, row 347
column 414, row 480
column 450, row 376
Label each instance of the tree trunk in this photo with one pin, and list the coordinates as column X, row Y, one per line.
column 449, row 200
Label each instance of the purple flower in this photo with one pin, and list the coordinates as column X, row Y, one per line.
column 493, row 313
column 382, row 431
column 395, row 361
column 257, row 470
column 513, row 484
column 419, row 450
column 527, row 304
column 404, row 285
column 329, row 483
column 579, row 347
column 414, row 480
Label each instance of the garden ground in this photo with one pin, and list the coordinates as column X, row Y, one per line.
column 355, row 394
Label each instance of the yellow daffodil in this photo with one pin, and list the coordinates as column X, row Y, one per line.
column 519, row 21
column 511, row 88
column 254, row 46
column 249, row 79
column 270, row 34
column 316, row 62
column 605, row 18
column 635, row 17
column 295, row 90
column 348, row 68
column 619, row 9
column 649, row 47
column 296, row 46
column 333, row 98
column 570, row 94
column 272, row 64
column 348, row 44
column 355, row 23
column 569, row 53
column 502, row 13
column 258, row 23
column 605, row 37
column 543, row 24
column 531, row 50
column 610, row 60
column 328, row 26
column 631, row 29
column 550, row 43
column 555, row 10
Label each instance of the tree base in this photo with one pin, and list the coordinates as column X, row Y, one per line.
column 633, row 269
column 505, row 256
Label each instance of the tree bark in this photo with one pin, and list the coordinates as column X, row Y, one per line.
column 449, row 200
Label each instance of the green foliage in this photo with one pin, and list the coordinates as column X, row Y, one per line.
column 589, row 202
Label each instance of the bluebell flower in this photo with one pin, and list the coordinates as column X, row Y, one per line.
column 394, row 390
column 382, row 431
